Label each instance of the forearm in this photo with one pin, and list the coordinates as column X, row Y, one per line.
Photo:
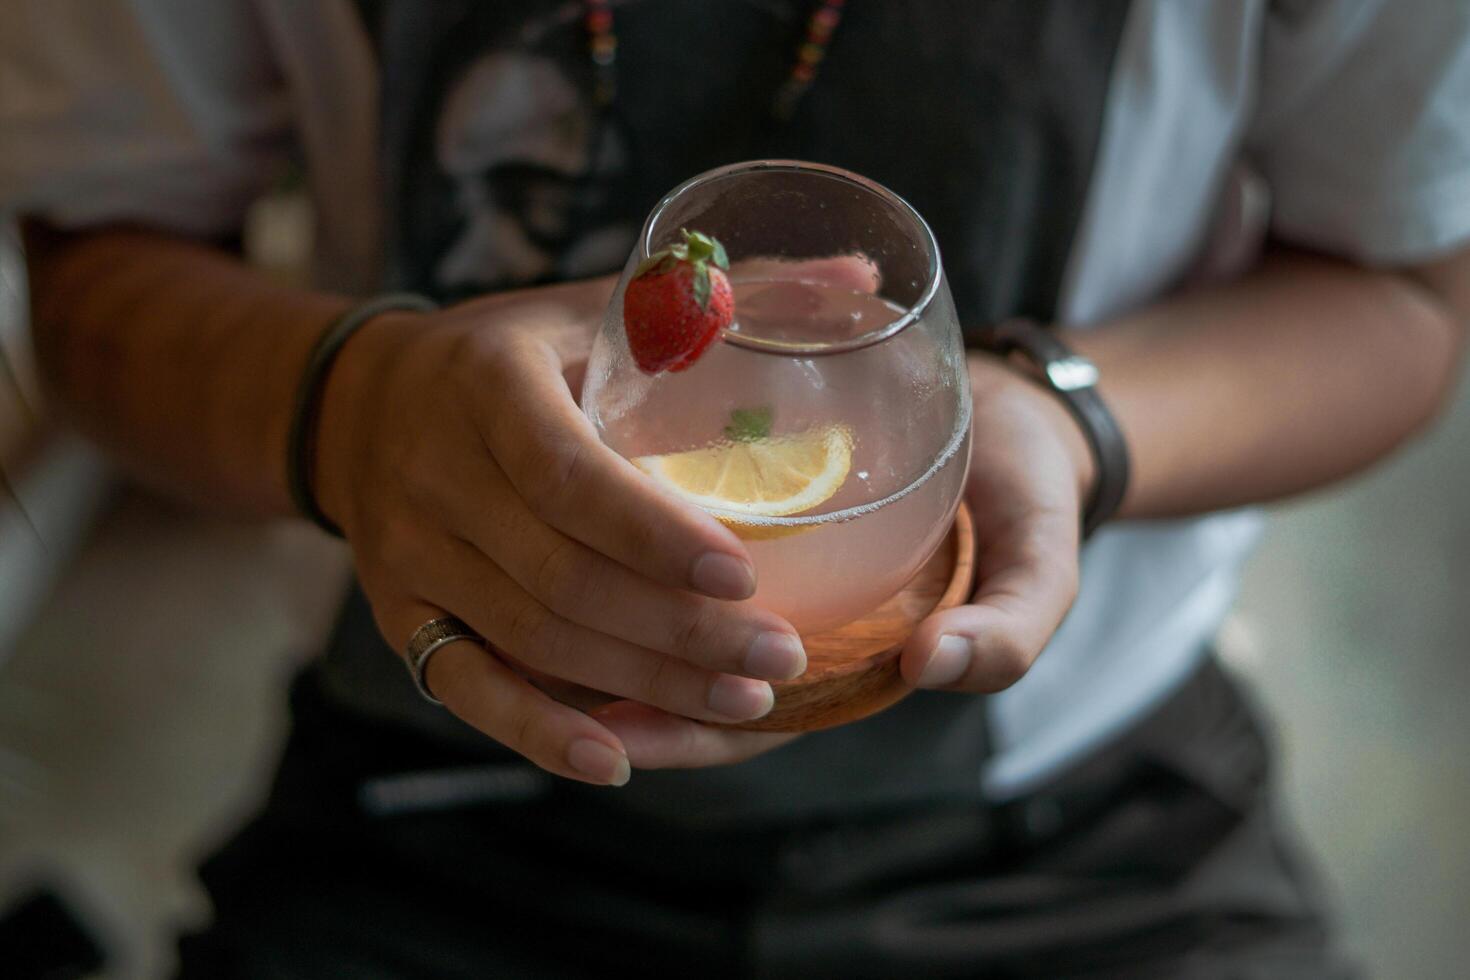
column 1293, row 377
column 179, row 359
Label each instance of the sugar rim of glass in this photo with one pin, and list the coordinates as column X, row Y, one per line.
column 793, row 348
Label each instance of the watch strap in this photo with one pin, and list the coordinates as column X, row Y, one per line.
column 1073, row 379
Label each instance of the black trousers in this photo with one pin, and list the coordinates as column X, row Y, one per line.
column 1159, row 856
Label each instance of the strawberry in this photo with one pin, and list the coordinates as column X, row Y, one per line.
column 677, row 302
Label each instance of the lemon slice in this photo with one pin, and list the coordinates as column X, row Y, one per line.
column 770, row 477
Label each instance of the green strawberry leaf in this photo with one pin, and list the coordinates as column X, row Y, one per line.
column 701, row 286
column 749, row 424
column 656, row 264
column 720, row 258
column 700, row 247
column 697, row 246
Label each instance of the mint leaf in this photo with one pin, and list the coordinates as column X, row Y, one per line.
column 749, row 424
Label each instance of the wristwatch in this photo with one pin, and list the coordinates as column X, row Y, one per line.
column 1073, row 378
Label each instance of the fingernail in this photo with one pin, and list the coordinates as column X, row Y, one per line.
column 599, row 761
column 740, row 698
column 777, row 656
column 722, row 576
column 948, row 663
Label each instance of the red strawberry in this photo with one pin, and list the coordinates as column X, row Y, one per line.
column 677, row 302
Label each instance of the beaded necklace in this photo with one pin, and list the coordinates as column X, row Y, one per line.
column 602, row 46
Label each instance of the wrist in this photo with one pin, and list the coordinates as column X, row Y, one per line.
column 351, row 402
column 1072, row 436
column 1004, row 378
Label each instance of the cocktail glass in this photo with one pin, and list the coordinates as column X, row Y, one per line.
column 828, row 426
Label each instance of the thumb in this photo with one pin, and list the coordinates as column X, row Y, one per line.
column 1028, row 580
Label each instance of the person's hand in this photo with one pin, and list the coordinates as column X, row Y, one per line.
column 1030, row 470
column 657, row 739
column 455, row 459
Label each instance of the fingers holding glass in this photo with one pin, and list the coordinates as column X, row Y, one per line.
column 488, row 695
column 552, row 457
column 658, row 740
column 514, row 621
column 587, row 588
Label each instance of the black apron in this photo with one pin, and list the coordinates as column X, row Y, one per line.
column 501, row 172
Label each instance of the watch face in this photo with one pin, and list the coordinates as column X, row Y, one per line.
column 1072, row 373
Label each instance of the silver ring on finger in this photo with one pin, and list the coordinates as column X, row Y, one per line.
column 427, row 639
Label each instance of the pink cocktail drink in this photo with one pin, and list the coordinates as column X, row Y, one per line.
column 896, row 413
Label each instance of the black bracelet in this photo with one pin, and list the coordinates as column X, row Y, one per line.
column 301, row 441
column 1073, row 378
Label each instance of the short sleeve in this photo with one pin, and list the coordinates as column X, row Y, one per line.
column 168, row 113
column 1362, row 126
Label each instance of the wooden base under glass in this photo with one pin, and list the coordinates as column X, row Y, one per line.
column 852, row 671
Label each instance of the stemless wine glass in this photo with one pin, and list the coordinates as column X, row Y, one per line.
column 829, row 424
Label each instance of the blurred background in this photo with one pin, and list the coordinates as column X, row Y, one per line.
column 144, row 652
